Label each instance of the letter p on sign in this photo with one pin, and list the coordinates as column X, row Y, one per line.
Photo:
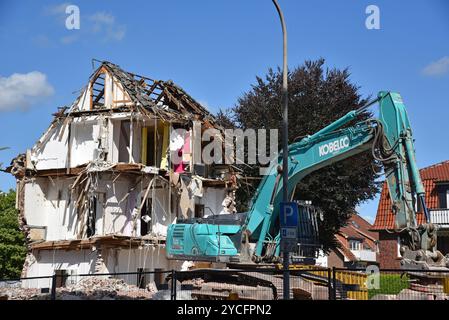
column 289, row 214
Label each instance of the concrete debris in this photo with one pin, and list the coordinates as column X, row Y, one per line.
column 90, row 288
column 22, row 294
column 18, row 166
column 408, row 294
column 101, row 288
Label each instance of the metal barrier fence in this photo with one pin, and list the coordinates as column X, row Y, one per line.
column 306, row 283
column 395, row 284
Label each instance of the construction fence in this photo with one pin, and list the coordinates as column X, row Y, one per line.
column 306, row 283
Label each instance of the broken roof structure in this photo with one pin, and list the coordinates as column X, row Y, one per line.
column 163, row 99
column 102, row 179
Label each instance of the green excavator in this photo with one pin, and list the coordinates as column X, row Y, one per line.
column 254, row 236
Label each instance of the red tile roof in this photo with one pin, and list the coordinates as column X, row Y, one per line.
column 430, row 176
column 357, row 228
column 343, row 248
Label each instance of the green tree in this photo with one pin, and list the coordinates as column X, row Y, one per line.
column 317, row 96
column 12, row 240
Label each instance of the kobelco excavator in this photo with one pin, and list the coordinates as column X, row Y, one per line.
column 255, row 235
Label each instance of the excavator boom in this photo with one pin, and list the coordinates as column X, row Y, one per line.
column 256, row 233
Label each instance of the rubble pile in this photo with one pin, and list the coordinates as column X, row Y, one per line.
column 90, row 288
column 408, row 294
column 14, row 293
column 102, row 288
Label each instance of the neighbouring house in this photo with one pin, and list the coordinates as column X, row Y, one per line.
column 98, row 190
column 436, row 184
column 358, row 246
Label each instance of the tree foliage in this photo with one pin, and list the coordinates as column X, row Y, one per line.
column 317, row 97
column 12, row 241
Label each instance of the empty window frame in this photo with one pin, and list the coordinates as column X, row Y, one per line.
column 124, row 141
column 97, row 91
column 443, row 196
column 92, row 216
column 145, row 227
column 154, row 145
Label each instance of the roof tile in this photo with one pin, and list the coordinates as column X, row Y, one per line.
column 430, row 176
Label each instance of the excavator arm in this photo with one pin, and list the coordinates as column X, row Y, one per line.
column 389, row 137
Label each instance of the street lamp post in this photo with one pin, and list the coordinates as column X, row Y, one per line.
column 286, row 255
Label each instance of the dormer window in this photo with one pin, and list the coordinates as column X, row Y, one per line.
column 355, row 224
column 443, row 195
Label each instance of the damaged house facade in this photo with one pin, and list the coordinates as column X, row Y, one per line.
column 98, row 190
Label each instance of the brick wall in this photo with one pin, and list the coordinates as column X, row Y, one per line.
column 335, row 259
column 388, row 250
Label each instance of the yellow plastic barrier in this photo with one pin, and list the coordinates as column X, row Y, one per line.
column 344, row 276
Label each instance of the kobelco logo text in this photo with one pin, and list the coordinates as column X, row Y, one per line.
column 334, row 146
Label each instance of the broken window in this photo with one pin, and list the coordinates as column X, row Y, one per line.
column 92, row 217
column 97, row 91
column 443, row 196
column 199, row 210
column 154, row 145
column 146, row 214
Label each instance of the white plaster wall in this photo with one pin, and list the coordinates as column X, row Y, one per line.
column 35, row 203
column 47, row 261
column 117, row 219
column 46, row 204
column 148, row 257
column 84, row 140
column 84, row 101
column 50, row 152
column 212, row 198
column 116, row 260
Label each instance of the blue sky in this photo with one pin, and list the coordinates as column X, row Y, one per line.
column 214, row 49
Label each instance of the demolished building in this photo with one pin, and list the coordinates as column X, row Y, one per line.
column 98, row 190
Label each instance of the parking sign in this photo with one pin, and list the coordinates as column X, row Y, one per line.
column 289, row 226
column 289, row 214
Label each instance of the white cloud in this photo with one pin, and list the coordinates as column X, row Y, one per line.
column 437, row 68
column 19, row 91
column 69, row 39
column 101, row 26
column 104, row 25
column 57, row 10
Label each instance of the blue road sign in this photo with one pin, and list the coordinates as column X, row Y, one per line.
column 289, row 214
